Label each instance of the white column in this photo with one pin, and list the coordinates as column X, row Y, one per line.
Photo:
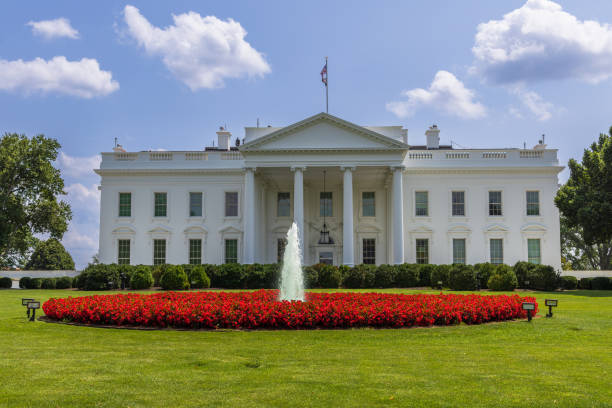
column 249, row 215
column 348, row 252
column 298, row 203
column 398, row 215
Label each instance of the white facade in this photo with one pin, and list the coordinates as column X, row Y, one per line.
column 375, row 179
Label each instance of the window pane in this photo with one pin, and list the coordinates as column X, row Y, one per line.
column 459, row 251
column 495, row 203
column 123, row 256
column 283, row 205
column 368, row 204
column 533, row 251
column 195, row 251
column 533, row 203
column 369, row 251
column 159, row 251
column 195, row 204
column 231, row 204
column 231, row 251
column 161, row 204
column 125, row 204
column 422, row 251
column 326, row 258
column 458, row 203
column 421, row 198
column 325, row 206
column 281, row 243
column 497, row 251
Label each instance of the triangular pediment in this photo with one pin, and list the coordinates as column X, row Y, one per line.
column 323, row 132
column 533, row 227
column 496, row 228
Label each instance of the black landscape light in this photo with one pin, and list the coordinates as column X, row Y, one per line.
column 529, row 307
column 25, row 301
column 440, row 284
column 33, row 305
column 550, row 303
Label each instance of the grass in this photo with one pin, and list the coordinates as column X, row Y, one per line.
column 565, row 361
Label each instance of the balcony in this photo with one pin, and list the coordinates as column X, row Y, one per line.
column 171, row 160
column 481, row 158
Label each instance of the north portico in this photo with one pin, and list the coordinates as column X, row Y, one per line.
column 382, row 199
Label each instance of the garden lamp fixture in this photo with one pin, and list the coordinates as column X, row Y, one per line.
column 33, row 305
column 25, row 301
column 550, row 303
column 325, row 239
column 529, row 307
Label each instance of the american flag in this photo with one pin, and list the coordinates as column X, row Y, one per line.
column 324, row 74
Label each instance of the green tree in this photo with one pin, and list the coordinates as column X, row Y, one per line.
column 585, row 202
column 50, row 255
column 29, row 190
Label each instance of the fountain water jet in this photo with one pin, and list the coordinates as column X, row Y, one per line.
column 292, row 277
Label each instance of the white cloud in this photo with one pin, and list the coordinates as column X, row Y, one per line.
column 60, row 27
column 446, row 93
column 540, row 41
column 75, row 240
column 199, row 51
column 82, row 78
column 85, row 198
column 534, row 103
column 78, row 166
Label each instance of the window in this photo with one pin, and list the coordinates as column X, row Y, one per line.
column 159, row 251
column 161, row 204
column 195, row 204
column 368, row 204
column 533, row 251
column 283, row 205
column 326, row 258
column 123, row 255
column 497, row 251
column 422, row 251
column 458, row 203
column 231, row 251
column 231, row 204
column 125, row 204
column 495, row 203
column 421, row 205
column 369, row 251
column 459, row 251
column 195, row 251
column 533, row 203
column 325, row 204
column 281, row 244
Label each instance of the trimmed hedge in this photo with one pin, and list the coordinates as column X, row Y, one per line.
column 462, row 277
column 483, row 273
column 601, row 283
column 503, row 279
column 197, row 276
column 569, row 282
column 6, row 283
column 440, row 273
column 141, row 278
column 48, row 283
column 174, row 278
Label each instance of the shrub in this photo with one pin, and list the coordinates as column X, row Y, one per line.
column 255, row 276
column 384, row 276
column 425, row 271
column 35, row 283
column 174, row 278
column 543, row 277
column 439, row 273
column 407, row 276
column 50, row 255
column 231, row 276
column 569, row 282
column 65, row 282
column 483, row 273
column 462, row 277
column 24, row 282
column 99, row 277
column 198, row 278
column 125, row 274
column 360, row 276
column 311, row 277
column 585, row 283
column 157, row 272
column 213, row 274
column 6, row 283
column 601, row 283
column 47, row 283
column 523, row 271
column 329, row 276
column 503, row 279
column 271, row 275
column 141, row 278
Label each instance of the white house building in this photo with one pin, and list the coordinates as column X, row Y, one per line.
column 381, row 198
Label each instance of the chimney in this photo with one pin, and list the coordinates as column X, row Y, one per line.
column 223, row 137
column 433, row 137
column 118, row 149
column 541, row 144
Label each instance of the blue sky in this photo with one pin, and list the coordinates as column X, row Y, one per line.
column 489, row 73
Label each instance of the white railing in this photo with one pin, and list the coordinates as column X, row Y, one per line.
column 160, row 156
column 420, row 156
column 494, row 155
column 196, row 156
column 531, row 154
column 231, row 156
column 126, row 156
column 458, row 155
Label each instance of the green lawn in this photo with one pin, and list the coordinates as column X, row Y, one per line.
column 564, row 361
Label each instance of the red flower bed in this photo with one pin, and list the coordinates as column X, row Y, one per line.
column 253, row 310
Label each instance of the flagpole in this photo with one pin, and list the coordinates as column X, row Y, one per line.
column 326, row 86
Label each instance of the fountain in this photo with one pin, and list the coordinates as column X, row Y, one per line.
column 292, row 277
